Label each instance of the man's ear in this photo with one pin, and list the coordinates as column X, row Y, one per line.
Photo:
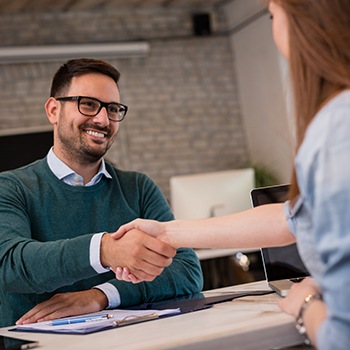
column 53, row 109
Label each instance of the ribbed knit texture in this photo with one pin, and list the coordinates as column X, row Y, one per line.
column 45, row 232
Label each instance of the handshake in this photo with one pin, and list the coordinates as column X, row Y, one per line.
column 139, row 251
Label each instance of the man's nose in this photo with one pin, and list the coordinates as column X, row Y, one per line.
column 102, row 117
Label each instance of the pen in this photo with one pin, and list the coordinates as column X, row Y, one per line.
column 80, row 319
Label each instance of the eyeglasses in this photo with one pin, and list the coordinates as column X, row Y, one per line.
column 90, row 107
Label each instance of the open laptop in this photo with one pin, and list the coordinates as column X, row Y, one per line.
column 282, row 265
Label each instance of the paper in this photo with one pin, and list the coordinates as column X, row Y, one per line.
column 118, row 318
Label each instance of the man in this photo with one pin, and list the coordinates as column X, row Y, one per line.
column 56, row 253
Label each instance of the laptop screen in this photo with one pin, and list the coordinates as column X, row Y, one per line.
column 279, row 262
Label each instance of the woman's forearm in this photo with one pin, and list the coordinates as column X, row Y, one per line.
column 258, row 227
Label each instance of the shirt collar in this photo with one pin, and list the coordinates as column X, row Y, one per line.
column 65, row 173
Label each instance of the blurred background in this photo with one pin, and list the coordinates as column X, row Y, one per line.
column 206, row 88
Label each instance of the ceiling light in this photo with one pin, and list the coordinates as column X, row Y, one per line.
column 21, row 54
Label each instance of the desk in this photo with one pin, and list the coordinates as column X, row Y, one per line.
column 246, row 323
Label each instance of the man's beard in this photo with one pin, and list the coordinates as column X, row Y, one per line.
column 79, row 150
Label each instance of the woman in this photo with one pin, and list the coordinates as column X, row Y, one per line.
column 314, row 36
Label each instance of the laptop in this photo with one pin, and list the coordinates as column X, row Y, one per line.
column 282, row 265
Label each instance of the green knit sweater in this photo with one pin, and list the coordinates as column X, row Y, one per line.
column 45, row 232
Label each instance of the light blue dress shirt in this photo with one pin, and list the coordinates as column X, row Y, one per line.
column 320, row 219
column 67, row 175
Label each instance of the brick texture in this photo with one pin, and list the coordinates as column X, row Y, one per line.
column 184, row 115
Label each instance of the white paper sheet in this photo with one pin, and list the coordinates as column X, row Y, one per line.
column 117, row 318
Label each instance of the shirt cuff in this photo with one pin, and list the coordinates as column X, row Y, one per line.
column 288, row 216
column 290, row 213
column 111, row 293
column 95, row 248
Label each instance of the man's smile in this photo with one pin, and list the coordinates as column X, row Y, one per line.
column 97, row 134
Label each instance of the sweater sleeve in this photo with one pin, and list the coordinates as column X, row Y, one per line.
column 28, row 265
column 32, row 262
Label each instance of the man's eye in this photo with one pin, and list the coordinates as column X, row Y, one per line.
column 113, row 109
column 89, row 104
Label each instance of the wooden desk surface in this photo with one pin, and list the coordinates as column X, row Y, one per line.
column 247, row 323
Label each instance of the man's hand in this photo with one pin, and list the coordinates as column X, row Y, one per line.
column 65, row 305
column 144, row 256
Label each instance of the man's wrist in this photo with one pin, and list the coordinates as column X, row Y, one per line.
column 111, row 293
column 104, row 250
column 100, row 298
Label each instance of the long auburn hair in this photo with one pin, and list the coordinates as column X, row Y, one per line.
column 319, row 58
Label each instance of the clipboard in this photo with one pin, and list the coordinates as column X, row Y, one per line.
column 141, row 313
column 118, row 318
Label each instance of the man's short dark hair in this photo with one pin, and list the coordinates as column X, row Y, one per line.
column 77, row 67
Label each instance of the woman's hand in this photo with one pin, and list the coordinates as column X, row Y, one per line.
column 292, row 303
column 315, row 312
column 152, row 227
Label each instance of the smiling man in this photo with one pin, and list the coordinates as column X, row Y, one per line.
column 57, row 255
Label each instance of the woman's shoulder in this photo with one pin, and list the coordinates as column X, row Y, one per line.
column 339, row 104
column 333, row 117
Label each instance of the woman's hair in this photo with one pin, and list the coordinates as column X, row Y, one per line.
column 319, row 57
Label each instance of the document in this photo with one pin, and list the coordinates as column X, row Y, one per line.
column 107, row 319
column 95, row 322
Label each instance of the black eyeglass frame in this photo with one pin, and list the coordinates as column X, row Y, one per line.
column 102, row 104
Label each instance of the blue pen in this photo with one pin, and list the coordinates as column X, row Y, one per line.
column 80, row 319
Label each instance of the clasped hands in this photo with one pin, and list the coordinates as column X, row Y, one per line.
column 143, row 257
